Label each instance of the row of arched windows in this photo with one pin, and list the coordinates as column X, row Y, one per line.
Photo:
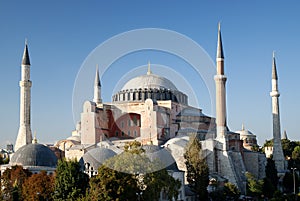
column 154, row 94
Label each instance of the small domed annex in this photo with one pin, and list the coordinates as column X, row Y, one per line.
column 150, row 86
column 34, row 155
column 248, row 138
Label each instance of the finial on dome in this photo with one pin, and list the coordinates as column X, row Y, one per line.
column 34, row 140
column 149, row 69
column 243, row 127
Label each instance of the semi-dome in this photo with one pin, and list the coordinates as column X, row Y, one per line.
column 149, row 81
column 34, row 155
column 96, row 157
column 162, row 155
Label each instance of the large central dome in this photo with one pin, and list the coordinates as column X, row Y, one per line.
column 149, row 86
column 149, row 81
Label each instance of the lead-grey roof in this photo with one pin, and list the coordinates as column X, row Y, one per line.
column 25, row 59
column 97, row 79
column 97, row 156
column 162, row 155
column 220, row 53
column 190, row 111
column 149, row 81
column 34, row 155
column 274, row 70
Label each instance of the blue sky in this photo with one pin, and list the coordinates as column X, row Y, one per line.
column 61, row 35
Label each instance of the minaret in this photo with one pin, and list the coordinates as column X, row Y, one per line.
column 97, row 88
column 220, row 80
column 223, row 160
column 277, row 148
column 284, row 136
column 24, row 135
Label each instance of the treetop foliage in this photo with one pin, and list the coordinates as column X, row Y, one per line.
column 197, row 168
column 70, row 182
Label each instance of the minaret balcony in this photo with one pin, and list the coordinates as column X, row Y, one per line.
column 27, row 83
column 274, row 94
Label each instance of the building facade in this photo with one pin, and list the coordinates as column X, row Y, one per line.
column 150, row 109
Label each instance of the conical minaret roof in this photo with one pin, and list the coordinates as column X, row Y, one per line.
column 284, row 136
column 25, row 59
column 97, row 79
column 274, row 70
column 220, row 53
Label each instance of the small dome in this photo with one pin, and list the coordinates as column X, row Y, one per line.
column 149, row 81
column 97, row 156
column 34, row 155
column 245, row 132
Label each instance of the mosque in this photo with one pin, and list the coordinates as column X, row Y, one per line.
column 150, row 109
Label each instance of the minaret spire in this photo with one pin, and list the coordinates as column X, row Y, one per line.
column 97, row 87
column 220, row 80
column 24, row 135
column 278, row 156
column 25, row 59
column 284, row 137
column 220, row 53
column 274, row 70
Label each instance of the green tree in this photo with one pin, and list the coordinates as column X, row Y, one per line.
column 288, row 147
column 197, row 168
column 271, row 172
column 256, row 148
column 227, row 192
column 288, row 182
column 38, row 187
column 70, row 182
column 231, row 192
column 111, row 185
column 158, row 181
column 271, row 180
column 12, row 180
column 296, row 157
column 255, row 186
